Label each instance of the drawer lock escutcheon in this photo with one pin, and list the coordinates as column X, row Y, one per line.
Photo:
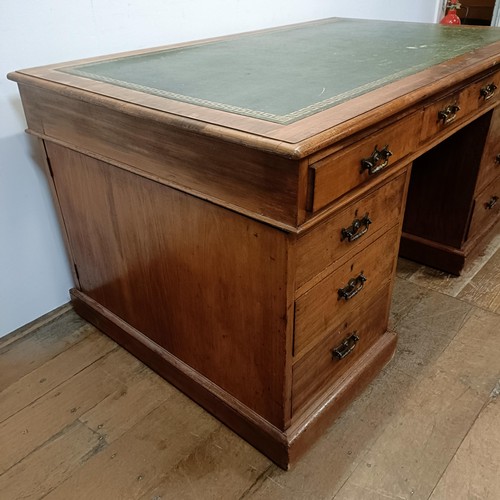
column 353, row 287
column 488, row 91
column 357, row 229
column 378, row 160
column 490, row 204
column 346, row 347
column 448, row 114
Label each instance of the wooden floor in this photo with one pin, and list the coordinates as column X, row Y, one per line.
column 80, row 418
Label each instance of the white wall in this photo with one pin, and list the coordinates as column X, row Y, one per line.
column 495, row 21
column 34, row 272
column 393, row 10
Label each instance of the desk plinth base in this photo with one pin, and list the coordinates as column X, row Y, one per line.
column 282, row 447
column 444, row 257
column 430, row 253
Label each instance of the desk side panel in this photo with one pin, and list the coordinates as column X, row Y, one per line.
column 206, row 284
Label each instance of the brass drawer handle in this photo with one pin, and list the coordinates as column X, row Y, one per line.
column 488, row 91
column 353, row 233
column 377, row 161
column 353, row 287
column 490, row 204
column 346, row 347
column 497, row 159
column 448, row 114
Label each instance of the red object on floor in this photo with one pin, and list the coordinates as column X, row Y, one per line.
column 451, row 13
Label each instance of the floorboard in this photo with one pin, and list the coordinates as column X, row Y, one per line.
column 80, row 418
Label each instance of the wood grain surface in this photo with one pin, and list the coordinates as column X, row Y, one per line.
column 218, row 280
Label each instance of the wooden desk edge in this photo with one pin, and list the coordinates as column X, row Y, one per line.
column 295, row 141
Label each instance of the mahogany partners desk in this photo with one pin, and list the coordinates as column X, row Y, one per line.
column 233, row 208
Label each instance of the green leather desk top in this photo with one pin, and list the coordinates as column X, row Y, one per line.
column 285, row 75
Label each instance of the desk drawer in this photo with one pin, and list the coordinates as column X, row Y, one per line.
column 337, row 353
column 344, row 170
column 490, row 161
column 458, row 106
column 442, row 114
column 339, row 296
column 486, row 208
column 483, row 92
column 334, row 238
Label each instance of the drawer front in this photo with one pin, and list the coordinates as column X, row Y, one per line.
column 483, row 92
column 442, row 114
column 348, row 230
column 486, row 208
column 457, row 107
column 490, row 162
column 340, row 172
column 337, row 353
column 340, row 295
